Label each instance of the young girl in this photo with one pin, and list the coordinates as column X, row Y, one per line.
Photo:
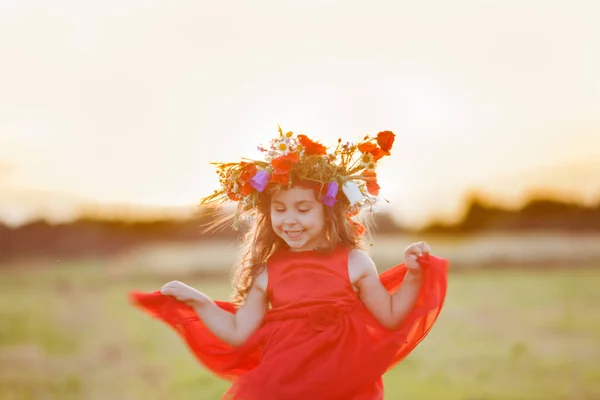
column 311, row 318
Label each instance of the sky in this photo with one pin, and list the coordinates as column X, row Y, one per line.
column 124, row 103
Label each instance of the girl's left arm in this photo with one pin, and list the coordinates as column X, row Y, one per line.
column 388, row 310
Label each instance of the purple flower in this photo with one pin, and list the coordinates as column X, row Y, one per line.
column 260, row 180
column 329, row 198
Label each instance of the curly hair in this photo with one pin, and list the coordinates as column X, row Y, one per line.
column 261, row 242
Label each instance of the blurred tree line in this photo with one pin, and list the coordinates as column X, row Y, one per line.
column 536, row 215
column 90, row 236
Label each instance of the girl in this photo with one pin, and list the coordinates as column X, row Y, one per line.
column 310, row 318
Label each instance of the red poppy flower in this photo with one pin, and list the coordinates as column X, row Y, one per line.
column 385, row 140
column 367, row 147
column 377, row 154
column 357, row 228
column 310, row 147
column 232, row 196
column 247, row 189
column 248, row 171
column 371, row 148
column 372, row 186
column 282, row 167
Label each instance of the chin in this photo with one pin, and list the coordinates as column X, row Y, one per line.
column 297, row 246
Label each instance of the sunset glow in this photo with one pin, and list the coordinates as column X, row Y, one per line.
column 127, row 102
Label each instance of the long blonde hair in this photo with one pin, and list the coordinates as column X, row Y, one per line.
column 261, row 242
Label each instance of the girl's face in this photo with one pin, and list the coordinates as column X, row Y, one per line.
column 298, row 218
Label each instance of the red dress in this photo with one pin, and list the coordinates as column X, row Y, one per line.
column 317, row 341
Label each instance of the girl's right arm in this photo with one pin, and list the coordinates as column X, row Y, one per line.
column 233, row 329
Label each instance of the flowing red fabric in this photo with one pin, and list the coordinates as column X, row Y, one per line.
column 317, row 340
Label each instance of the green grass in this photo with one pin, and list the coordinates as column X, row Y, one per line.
column 69, row 333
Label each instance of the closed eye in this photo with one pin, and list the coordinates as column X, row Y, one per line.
column 304, row 210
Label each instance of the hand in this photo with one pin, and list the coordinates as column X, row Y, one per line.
column 184, row 293
column 413, row 252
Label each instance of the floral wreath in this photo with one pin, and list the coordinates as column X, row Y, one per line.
column 346, row 174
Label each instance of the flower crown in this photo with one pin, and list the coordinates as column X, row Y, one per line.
column 297, row 160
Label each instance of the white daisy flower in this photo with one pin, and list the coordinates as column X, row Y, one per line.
column 367, row 161
column 282, row 146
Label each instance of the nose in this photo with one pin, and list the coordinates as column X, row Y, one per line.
column 290, row 220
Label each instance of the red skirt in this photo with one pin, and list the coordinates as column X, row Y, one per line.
column 340, row 354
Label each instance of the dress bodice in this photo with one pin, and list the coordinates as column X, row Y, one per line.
column 310, row 278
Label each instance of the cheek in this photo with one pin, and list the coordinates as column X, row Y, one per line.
column 317, row 220
column 274, row 220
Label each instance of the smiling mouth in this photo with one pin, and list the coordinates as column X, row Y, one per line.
column 294, row 234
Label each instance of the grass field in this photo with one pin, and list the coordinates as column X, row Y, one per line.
column 68, row 333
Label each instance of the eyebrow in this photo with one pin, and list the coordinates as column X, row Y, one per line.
column 296, row 203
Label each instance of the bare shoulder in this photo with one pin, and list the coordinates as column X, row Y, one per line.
column 262, row 280
column 360, row 265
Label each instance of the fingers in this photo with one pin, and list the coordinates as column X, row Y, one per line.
column 171, row 288
column 166, row 291
column 426, row 248
column 418, row 249
column 178, row 290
